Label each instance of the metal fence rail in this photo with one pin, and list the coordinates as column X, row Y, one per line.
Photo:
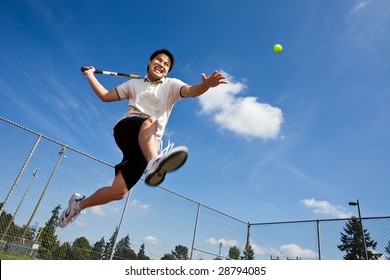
column 316, row 239
column 157, row 217
column 38, row 174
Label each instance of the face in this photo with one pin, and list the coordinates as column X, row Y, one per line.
column 158, row 67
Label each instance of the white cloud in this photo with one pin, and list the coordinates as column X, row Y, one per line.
column 79, row 223
column 245, row 116
column 137, row 204
column 98, row 210
column 359, row 6
column 214, row 241
column 151, row 239
column 102, row 210
column 324, row 207
column 293, row 250
column 264, row 251
column 285, row 251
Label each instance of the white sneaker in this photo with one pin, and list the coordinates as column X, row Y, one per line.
column 168, row 160
column 70, row 213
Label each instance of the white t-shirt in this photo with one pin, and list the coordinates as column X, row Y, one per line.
column 151, row 99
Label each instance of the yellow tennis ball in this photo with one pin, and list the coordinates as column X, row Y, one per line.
column 278, row 48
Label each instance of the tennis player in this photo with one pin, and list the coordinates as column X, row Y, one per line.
column 138, row 134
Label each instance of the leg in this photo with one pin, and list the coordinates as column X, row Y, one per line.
column 107, row 194
column 104, row 195
column 158, row 164
column 147, row 139
column 127, row 173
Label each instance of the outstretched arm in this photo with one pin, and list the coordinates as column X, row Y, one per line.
column 98, row 88
column 213, row 80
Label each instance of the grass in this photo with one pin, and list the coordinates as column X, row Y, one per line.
column 8, row 256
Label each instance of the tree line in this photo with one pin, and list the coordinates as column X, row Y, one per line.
column 352, row 243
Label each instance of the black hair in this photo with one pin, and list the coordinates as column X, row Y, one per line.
column 167, row 53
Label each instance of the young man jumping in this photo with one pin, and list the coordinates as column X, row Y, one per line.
column 138, row 134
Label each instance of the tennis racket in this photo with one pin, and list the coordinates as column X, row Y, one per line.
column 132, row 76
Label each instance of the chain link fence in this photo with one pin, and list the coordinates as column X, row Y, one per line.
column 39, row 174
column 318, row 239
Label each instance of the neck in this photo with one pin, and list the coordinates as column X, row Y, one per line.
column 151, row 79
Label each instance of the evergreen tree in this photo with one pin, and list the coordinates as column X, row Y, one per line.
column 4, row 219
column 234, row 253
column 249, row 254
column 81, row 249
column 9, row 228
column 48, row 239
column 98, row 250
column 110, row 245
column 30, row 233
column 180, row 253
column 63, row 252
column 387, row 250
column 168, row 256
column 123, row 250
column 141, row 253
column 353, row 244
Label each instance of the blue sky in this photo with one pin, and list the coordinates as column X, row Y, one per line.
column 295, row 135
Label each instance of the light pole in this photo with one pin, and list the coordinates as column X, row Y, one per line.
column 35, row 174
column 361, row 225
column 20, row 173
column 61, row 154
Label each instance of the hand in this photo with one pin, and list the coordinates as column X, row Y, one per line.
column 89, row 71
column 214, row 79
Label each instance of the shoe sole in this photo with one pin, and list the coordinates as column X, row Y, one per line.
column 63, row 216
column 169, row 164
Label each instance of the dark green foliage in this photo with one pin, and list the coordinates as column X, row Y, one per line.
column 353, row 244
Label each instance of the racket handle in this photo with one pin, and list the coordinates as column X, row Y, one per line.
column 84, row 68
column 132, row 76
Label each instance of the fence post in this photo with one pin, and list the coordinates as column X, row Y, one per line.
column 120, row 224
column 248, row 237
column 195, row 231
column 318, row 240
column 20, row 173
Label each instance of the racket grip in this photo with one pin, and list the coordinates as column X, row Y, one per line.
column 85, row 68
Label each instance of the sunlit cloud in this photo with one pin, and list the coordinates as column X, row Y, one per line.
column 285, row 251
column 137, row 204
column 98, row 210
column 224, row 242
column 293, row 250
column 244, row 116
column 151, row 239
column 326, row 208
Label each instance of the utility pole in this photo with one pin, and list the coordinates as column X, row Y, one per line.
column 35, row 174
column 361, row 226
column 61, row 153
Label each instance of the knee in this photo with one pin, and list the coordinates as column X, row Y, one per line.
column 118, row 189
column 119, row 194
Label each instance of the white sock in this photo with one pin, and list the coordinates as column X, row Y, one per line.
column 77, row 206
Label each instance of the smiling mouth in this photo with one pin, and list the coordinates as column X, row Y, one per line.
column 158, row 69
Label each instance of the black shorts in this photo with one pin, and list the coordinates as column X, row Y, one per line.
column 133, row 164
